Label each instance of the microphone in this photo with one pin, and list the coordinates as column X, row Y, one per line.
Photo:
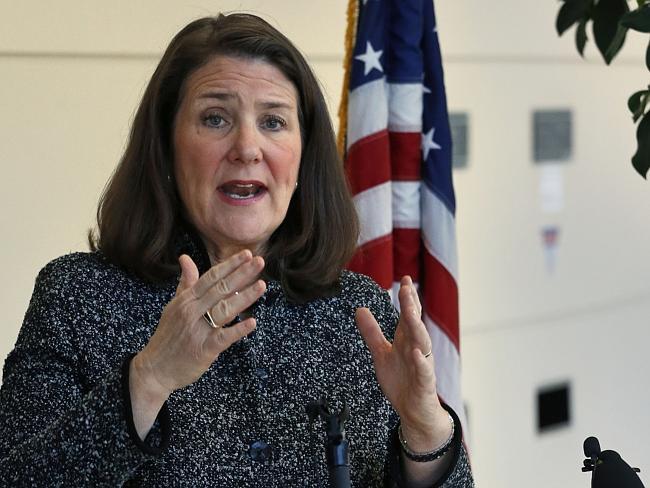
column 608, row 468
column 337, row 446
column 591, row 447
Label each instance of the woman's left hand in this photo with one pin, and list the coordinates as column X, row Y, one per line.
column 405, row 375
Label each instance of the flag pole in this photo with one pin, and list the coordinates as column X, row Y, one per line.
column 350, row 33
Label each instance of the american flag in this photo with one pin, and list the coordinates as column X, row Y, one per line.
column 398, row 162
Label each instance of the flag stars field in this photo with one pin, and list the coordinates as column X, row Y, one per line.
column 428, row 143
column 370, row 59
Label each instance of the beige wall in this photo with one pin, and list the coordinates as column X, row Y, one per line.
column 71, row 75
column 523, row 327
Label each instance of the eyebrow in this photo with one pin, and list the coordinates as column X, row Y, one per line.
column 217, row 95
column 271, row 104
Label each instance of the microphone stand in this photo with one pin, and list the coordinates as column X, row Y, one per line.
column 608, row 468
column 336, row 446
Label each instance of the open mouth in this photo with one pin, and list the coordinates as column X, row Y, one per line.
column 242, row 190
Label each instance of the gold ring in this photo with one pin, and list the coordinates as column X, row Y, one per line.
column 208, row 318
column 429, row 353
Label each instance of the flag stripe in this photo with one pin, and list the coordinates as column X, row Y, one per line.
column 405, row 107
column 366, row 119
column 405, row 148
column 406, row 204
column 374, row 253
column 367, row 162
column 374, row 209
column 440, row 297
column 439, row 231
column 406, row 254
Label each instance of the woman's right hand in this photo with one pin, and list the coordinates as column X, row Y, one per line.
column 184, row 346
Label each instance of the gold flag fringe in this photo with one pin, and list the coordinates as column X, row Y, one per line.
column 350, row 33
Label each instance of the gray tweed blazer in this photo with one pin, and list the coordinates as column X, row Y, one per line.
column 65, row 415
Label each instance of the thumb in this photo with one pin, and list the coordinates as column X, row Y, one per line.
column 371, row 332
column 189, row 273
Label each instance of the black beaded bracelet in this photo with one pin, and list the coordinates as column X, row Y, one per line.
column 425, row 457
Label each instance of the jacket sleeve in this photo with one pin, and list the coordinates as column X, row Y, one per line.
column 54, row 428
column 459, row 473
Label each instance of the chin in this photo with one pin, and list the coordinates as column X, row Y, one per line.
column 247, row 239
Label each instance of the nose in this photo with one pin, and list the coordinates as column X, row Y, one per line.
column 245, row 146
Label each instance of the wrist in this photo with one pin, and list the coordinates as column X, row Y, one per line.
column 144, row 384
column 431, row 436
column 415, row 451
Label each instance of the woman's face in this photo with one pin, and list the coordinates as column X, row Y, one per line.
column 237, row 150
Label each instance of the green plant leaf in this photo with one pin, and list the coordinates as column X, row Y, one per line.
column 581, row 36
column 638, row 20
column 570, row 13
column 606, row 15
column 647, row 57
column 634, row 102
column 616, row 44
column 641, row 159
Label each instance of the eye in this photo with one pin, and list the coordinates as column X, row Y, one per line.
column 274, row 123
column 214, row 120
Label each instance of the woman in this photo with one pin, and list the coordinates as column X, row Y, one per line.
column 127, row 373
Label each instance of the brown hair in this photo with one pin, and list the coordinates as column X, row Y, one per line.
column 140, row 212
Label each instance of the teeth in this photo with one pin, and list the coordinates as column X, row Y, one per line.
column 241, row 191
column 240, row 197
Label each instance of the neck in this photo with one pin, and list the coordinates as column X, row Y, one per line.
column 219, row 253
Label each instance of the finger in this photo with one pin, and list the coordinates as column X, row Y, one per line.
column 226, row 309
column 371, row 332
column 240, row 278
column 409, row 303
column 216, row 275
column 415, row 332
column 408, row 310
column 243, row 276
column 189, row 273
column 221, row 339
column 414, row 294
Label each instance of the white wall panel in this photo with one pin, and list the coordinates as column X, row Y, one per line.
column 64, row 123
column 603, row 230
column 146, row 26
column 484, row 31
column 602, row 352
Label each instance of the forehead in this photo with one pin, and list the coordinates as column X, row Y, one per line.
column 240, row 75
